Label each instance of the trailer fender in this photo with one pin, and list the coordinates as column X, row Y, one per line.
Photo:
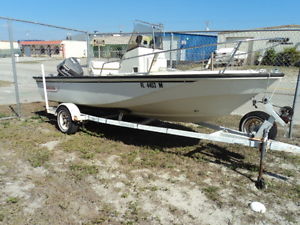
column 73, row 109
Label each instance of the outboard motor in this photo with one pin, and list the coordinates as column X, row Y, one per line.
column 70, row 67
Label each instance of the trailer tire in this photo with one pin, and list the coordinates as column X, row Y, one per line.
column 64, row 121
column 252, row 121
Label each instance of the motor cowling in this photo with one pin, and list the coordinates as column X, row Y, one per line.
column 70, row 67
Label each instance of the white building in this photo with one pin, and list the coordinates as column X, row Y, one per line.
column 292, row 32
column 72, row 48
column 5, row 48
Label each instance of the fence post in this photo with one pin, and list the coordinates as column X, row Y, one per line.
column 14, row 69
column 171, row 46
column 297, row 93
column 88, row 52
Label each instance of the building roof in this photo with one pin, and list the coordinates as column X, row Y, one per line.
column 281, row 27
column 40, row 42
column 291, row 26
column 180, row 33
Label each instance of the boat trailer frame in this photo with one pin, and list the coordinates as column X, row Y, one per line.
column 224, row 135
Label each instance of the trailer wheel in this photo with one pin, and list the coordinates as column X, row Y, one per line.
column 64, row 121
column 251, row 122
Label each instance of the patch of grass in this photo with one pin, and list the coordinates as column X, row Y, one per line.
column 31, row 62
column 150, row 158
column 32, row 119
column 24, row 138
column 285, row 191
column 86, row 154
column 38, row 157
column 5, row 124
column 296, row 190
column 288, row 173
column 106, row 216
column 289, row 217
column 86, row 146
column 133, row 213
column 12, row 200
column 290, row 158
column 130, row 157
column 1, row 216
column 2, row 115
column 212, row 192
column 81, row 170
column 4, row 83
column 125, row 195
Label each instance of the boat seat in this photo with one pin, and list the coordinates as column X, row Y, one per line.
column 109, row 68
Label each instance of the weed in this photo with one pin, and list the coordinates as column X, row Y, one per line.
column 81, row 170
column 172, row 209
column 86, row 154
column 130, row 157
column 164, row 189
column 38, row 157
column 85, row 146
column 12, row 200
column 289, row 173
column 35, row 117
column 296, row 191
column 107, row 213
column 124, row 195
column 2, row 115
column 132, row 212
column 1, row 217
column 154, row 188
column 63, row 205
column 99, row 220
column 211, row 192
column 289, row 217
column 6, row 124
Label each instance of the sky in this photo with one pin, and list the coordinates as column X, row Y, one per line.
column 116, row 15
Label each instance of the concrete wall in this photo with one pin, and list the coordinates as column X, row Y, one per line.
column 72, row 48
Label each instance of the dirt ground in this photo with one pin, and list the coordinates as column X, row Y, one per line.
column 110, row 175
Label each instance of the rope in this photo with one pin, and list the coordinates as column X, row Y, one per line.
column 265, row 92
column 275, row 89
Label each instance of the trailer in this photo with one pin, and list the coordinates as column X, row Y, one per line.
column 69, row 118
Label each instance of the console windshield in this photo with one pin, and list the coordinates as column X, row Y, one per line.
column 146, row 35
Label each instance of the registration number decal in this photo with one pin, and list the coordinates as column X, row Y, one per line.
column 151, row 84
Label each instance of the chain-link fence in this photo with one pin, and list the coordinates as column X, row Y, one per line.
column 25, row 45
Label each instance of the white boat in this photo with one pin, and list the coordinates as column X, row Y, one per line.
column 177, row 96
column 143, row 85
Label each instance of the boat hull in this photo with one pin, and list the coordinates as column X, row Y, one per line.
column 187, row 98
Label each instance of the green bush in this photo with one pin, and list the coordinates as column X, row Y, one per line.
column 269, row 57
column 288, row 57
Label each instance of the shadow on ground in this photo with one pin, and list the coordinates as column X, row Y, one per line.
column 203, row 151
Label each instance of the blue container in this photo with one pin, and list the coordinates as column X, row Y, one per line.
column 191, row 40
